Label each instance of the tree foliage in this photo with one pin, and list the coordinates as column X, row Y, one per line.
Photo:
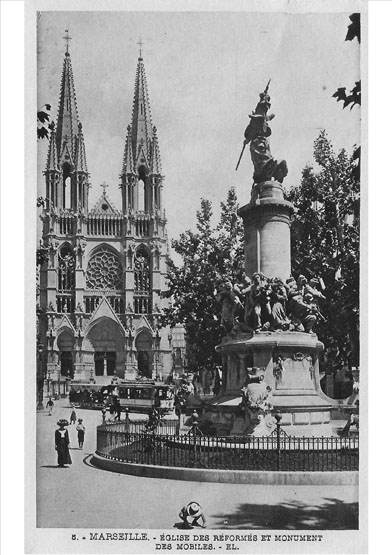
column 44, row 122
column 353, row 97
column 325, row 243
column 207, row 255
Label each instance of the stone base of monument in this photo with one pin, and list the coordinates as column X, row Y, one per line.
column 289, row 364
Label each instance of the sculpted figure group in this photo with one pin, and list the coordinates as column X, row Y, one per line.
column 268, row 304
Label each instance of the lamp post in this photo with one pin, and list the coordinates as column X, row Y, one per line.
column 278, row 418
column 58, row 385
column 67, row 382
column 40, row 377
column 48, row 384
column 157, row 343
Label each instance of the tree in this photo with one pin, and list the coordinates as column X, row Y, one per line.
column 353, row 97
column 231, row 237
column 207, row 255
column 325, row 243
column 44, row 122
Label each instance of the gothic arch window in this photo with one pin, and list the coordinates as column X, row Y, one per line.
column 143, row 346
column 142, row 275
column 104, row 271
column 142, row 193
column 66, row 269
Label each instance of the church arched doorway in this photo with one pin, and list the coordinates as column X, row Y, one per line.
column 104, row 353
column 143, row 346
column 105, row 363
column 65, row 345
column 66, row 364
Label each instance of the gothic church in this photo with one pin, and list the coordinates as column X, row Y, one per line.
column 100, row 291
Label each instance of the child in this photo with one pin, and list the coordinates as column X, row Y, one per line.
column 80, row 428
column 190, row 515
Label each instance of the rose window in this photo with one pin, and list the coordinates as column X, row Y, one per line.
column 104, row 271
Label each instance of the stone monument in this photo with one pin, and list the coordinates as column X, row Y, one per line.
column 270, row 354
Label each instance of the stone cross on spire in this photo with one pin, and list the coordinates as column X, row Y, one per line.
column 140, row 47
column 67, row 38
column 104, row 187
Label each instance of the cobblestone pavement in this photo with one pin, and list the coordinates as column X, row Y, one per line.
column 83, row 496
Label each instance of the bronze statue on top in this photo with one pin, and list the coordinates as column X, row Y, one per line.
column 257, row 133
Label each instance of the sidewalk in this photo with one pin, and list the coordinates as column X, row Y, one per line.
column 83, row 496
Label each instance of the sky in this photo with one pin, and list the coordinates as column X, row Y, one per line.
column 204, row 71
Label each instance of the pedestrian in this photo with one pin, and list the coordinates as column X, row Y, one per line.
column 190, row 515
column 103, row 412
column 118, row 412
column 80, row 428
column 61, row 440
column 72, row 418
column 112, row 411
column 49, row 405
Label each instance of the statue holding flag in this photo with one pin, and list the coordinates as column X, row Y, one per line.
column 257, row 133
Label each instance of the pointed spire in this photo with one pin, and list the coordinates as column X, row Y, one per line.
column 67, row 118
column 67, row 150
column 128, row 163
column 155, row 163
column 52, row 161
column 80, row 157
column 141, row 125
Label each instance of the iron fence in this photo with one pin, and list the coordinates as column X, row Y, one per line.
column 167, row 427
column 273, row 453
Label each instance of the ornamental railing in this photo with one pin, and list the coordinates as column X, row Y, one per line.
column 65, row 303
column 166, row 427
column 104, row 225
column 268, row 453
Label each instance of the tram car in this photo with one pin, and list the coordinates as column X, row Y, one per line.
column 136, row 396
column 144, row 396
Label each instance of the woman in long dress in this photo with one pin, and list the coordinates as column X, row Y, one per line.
column 62, row 444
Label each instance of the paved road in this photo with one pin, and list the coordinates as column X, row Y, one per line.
column 86, row 497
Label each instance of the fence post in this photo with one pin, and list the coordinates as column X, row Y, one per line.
column 278, row 418
column 194, row 445
column 127, row 420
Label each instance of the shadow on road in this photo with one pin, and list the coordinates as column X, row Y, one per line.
column 182, row 526
column 53, row 466
column 332, row 514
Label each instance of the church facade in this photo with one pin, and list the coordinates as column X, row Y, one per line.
column 100, row 300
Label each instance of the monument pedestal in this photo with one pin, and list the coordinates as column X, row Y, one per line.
column 267, row 231
column 289, row 363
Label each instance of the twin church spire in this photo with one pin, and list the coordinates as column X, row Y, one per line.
column 66, row 169
column 141, row 178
